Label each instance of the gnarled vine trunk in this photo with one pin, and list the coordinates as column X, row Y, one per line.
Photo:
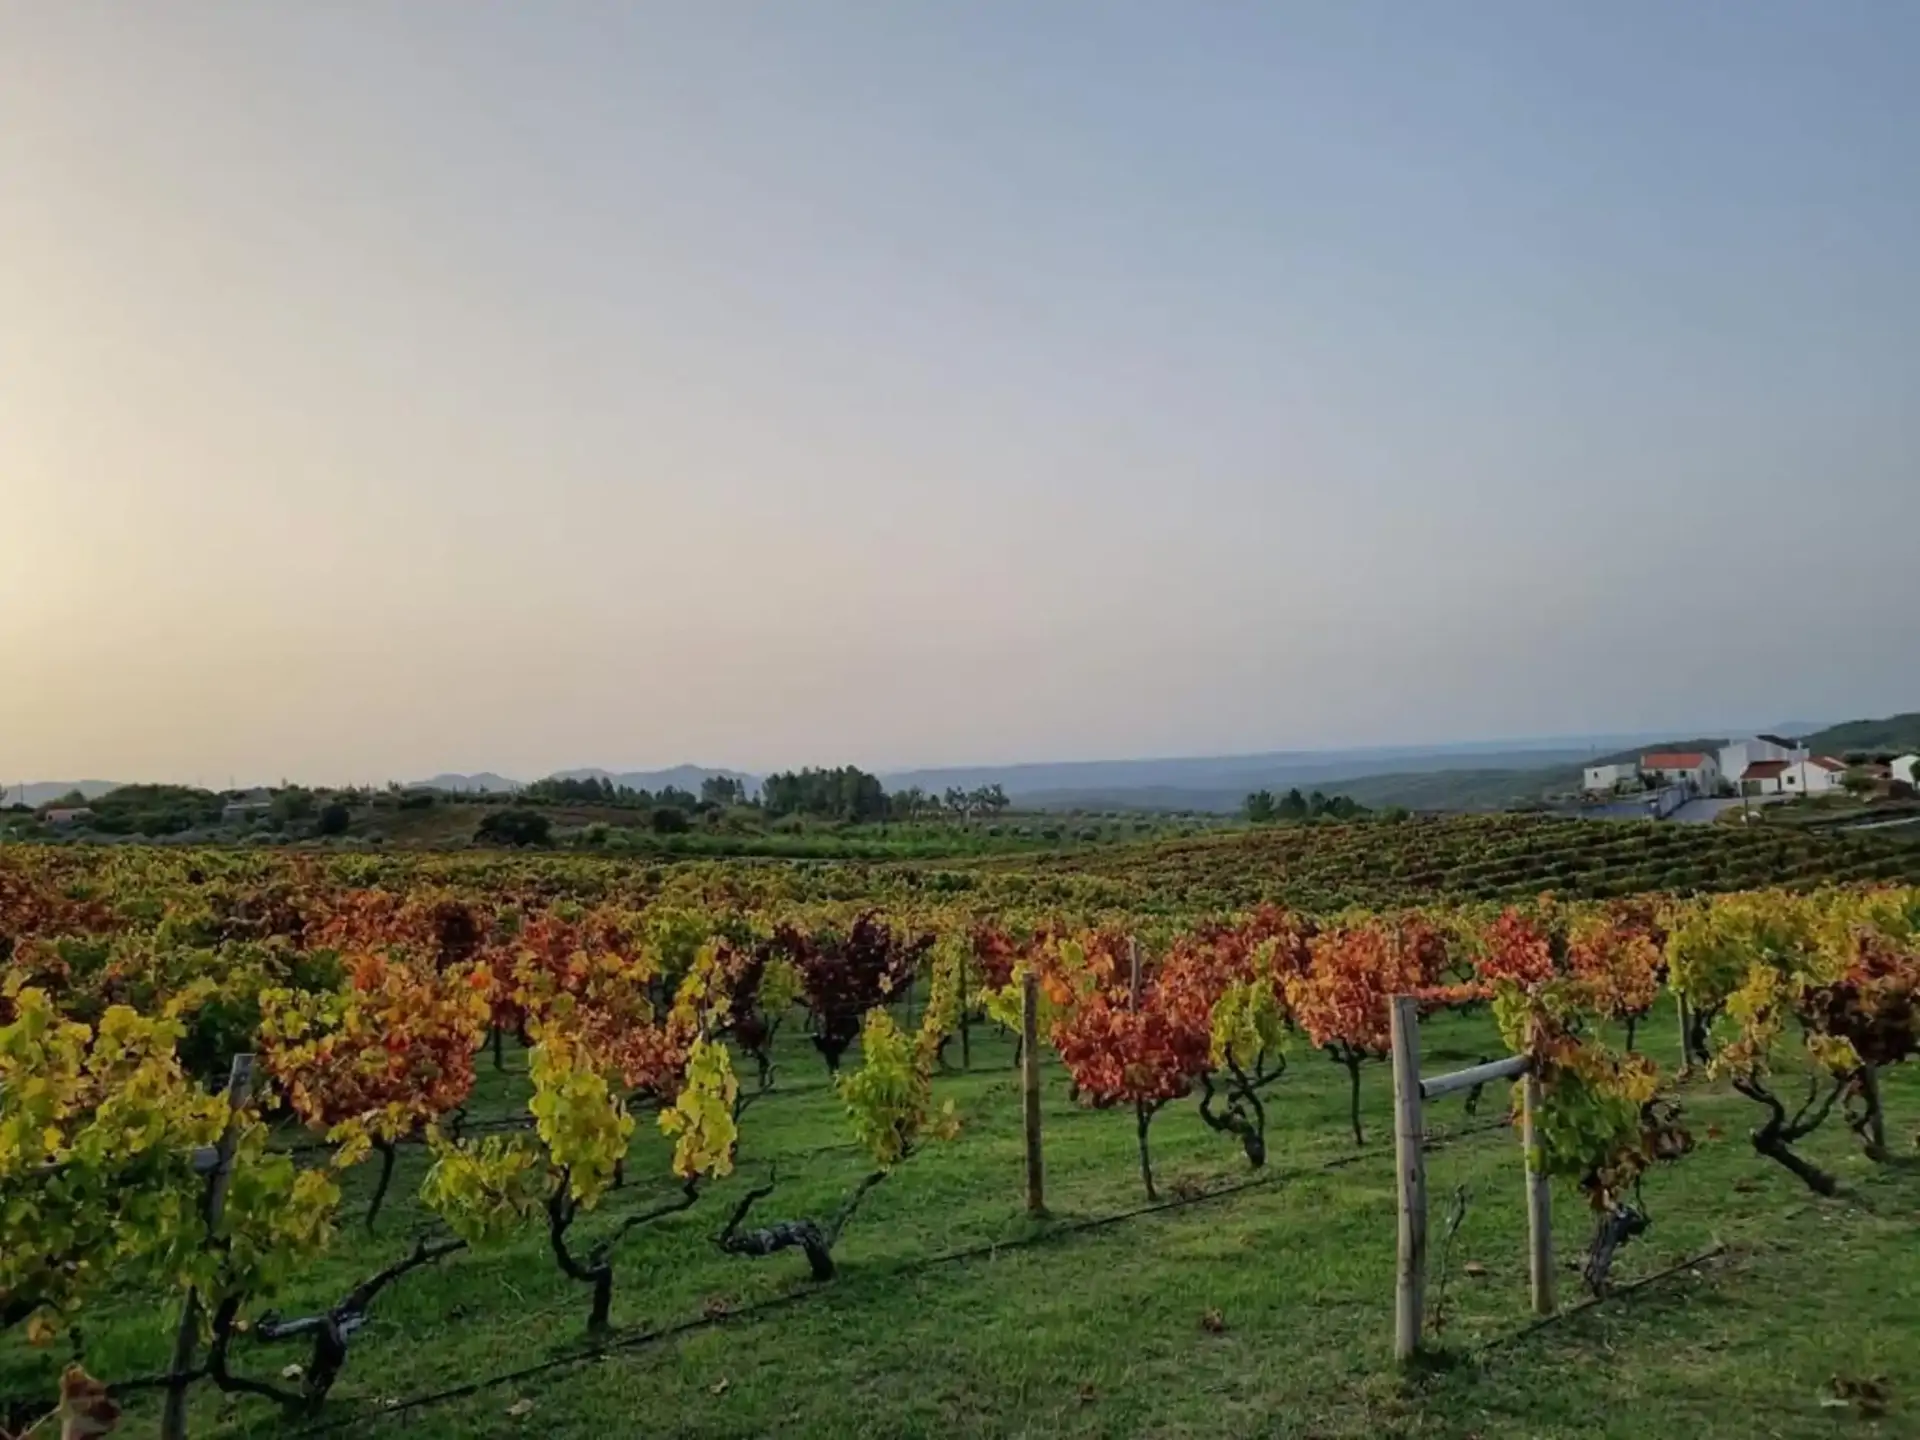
column 1143, row 1117
column 815, row 1239
column 1352, row 1059
column 1699, row 1029
column 1618, row 1224
column 389, row 1152
column 1870, row 1121
column 597, row 1269
column 332, row 1329
column 1245, row 1117
column 1776, row 1137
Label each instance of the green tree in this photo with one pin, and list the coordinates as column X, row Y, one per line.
column 722, row 790
column 1260, row 807
column 334, row 818
column 846, row 793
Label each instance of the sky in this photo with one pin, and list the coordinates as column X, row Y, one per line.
column 388, row 389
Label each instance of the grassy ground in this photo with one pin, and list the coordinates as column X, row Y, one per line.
column 1104, row 1331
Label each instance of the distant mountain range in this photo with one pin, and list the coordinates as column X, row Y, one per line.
column 485, row 783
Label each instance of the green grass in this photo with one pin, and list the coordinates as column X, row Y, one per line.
column 1098, row 1332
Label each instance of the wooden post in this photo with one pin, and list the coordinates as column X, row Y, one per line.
column 1133, row 961
column 173, row 1417
column 1409, row 1136
column 1030, row 1090
column 1539, row 1203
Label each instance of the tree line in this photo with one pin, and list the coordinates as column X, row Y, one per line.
column 1262, row 807
column 850, row 793
column 842, row 792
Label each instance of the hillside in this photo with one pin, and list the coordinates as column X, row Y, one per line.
column 1896, row 732
column 1092, row 782
column 1706, row 744
column 1460, row 790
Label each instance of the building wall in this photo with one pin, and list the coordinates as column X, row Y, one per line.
column 1803, row 777
column 1820, row 780
column 1703, row 778
column 1602, row 778
column 1907, row 768
column 1735, row 758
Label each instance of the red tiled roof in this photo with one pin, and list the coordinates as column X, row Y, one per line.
column 1674, row 760
column 1764, row 770
column 1827, row 762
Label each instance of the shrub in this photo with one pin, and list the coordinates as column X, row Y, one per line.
column 334, row 818
column 515, row 827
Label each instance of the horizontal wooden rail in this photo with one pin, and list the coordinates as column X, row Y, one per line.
column 1511, row 1068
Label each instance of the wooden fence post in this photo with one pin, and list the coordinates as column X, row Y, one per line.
column 1030, row 1090
column 1409, row 1136
column 1539, row 1203
column 173, row 1417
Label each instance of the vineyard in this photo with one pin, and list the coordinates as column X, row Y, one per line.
column 298, row 1143
column 1472, row 858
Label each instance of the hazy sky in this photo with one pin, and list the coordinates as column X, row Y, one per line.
column 387, row 387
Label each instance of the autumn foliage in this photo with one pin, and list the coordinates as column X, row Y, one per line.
column 846, row 975
column 1342, row 996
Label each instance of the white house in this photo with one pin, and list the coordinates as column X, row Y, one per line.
column 1735, row 758
column 70, row 815
column 1605, row 779
column 1820, row 775
column 1762, row 777
column 1695, row 769
column 1907, row 769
